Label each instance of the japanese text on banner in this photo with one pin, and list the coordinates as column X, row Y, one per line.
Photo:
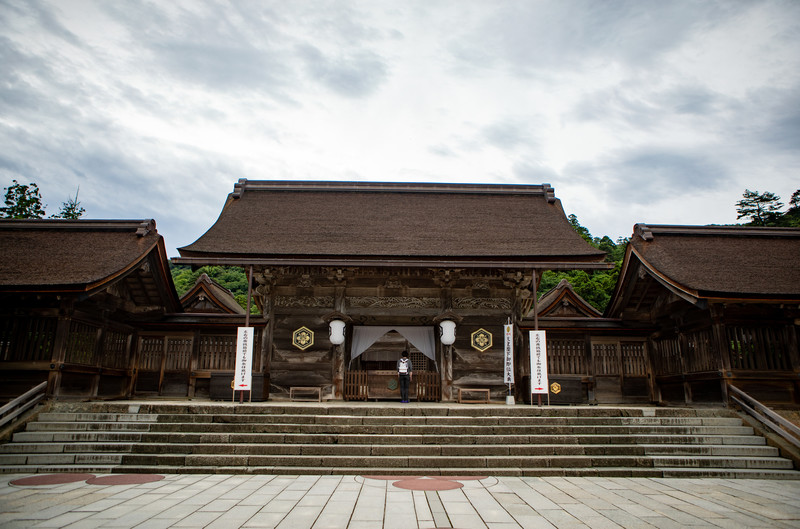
column 538, row 345
column 508, row 357
column 244, row 359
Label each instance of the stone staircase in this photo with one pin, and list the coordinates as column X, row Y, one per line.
column 391, row 439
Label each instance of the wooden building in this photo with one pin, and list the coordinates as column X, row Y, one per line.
column 724, row 307
column 388, row 263
column 72, row 296
column 591, row 359
column 347, row 275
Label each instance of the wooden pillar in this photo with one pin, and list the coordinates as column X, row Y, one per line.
column 98, row 356
column 794, row 355
column 446, row 364
column 589, row 354
column 266, row 290
column 655, row 392
column 446, row 367
column 194, row 361
column 338, row 366
column 683, row 348
column 59, row 347
column 720, row 348
column 133, row 362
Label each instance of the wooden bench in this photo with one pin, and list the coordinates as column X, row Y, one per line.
column 310, row 390
column 483, row 391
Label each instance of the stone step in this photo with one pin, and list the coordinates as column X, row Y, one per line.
column 349, row 438
column 364, row 449
column 289, row 438
column 385, row 408
column 429, row 471
column 717, row 462
column 477, row 463
column 399, row 429
column 711, row 450
column 60, row 459
column 444, row 450
column 387, row 420
column 68, row 448
column 66, row 437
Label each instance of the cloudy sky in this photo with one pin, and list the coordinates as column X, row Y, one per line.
column 635, row 111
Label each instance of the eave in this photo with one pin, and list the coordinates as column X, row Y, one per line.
column 392, row 262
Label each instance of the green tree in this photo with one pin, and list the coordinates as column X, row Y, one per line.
column 763, row 209
column 792, row 216
column 23, row 202
column 71, row 209
column 597, row 287
column 230, row 277
column 794, row 202
column 582, row 231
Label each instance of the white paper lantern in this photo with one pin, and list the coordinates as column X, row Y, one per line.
column 448, row 331
column 337, row 331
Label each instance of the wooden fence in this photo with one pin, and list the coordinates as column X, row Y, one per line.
column 356, row 386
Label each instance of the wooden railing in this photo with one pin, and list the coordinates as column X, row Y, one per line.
column 356, row 386
column 21, row 404
column 429, row 386
column 784, row 428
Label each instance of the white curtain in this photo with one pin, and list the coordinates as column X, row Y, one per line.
column 421, row 337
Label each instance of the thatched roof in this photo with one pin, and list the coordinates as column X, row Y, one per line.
column 208, row 296
column 715, row 263
column 391, row 223
column 83, row 256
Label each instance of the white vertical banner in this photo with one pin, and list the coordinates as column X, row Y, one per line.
column 244, row 359
column 538, row 344
column 508, row 357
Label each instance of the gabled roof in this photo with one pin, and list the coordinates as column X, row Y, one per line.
column 353, row 223
column 208, row 296
column 711, row 263
column 562, row 301
column 82, row 257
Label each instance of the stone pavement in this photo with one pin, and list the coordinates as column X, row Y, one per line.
column 318, row 502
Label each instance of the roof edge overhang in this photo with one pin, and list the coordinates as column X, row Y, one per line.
column 689, row 294
column 702, row 298
column 393, row 262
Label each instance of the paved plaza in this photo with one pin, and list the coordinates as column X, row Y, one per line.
column 369, row 502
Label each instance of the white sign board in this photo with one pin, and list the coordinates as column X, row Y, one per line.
column 244, row 359
column 508, row 357
column 538, row 363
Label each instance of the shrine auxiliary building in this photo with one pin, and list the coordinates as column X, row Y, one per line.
column 348, row 275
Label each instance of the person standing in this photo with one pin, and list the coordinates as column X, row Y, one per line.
column 404, row 371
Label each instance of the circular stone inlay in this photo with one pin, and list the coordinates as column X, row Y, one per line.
column 459, row 478
column 427, row 484
column 124, row 479
column 51, row 479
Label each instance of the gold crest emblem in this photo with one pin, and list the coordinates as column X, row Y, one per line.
column 555, row 387
column 481, row 340
column 303, row 338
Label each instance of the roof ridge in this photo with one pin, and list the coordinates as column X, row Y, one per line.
column 141, row 226
column 648, row 231
column 396, row 187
